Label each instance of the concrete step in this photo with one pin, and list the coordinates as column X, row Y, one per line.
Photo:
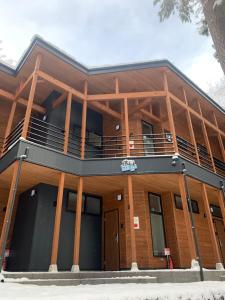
column 79, row 275
column 91, row 281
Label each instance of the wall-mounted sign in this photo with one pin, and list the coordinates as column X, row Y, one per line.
column 136, row 223
column 167, row 251
column 131, row 145
column 128, row 165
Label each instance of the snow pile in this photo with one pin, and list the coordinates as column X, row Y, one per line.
column 154, row 291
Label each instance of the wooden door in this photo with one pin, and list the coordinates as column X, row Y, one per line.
column 220, row 233
column 111, row 238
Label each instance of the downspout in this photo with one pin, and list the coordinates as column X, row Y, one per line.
column 21, row 158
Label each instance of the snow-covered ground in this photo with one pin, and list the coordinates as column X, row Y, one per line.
column 160, row 291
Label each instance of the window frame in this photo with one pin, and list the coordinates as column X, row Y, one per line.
column 216, row 206
column 163, row 224
column 192, row 201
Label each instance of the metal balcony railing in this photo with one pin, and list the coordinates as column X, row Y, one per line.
column 97, row 146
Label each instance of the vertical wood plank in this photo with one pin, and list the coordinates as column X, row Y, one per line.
column 131, row 214
column 67, row 122
column 78, row 226
column 190, row 128
column 31, row 98
column 219, row 137
column 9, row 203
column 222, row 205
column 210, row 225
column 84, row 121
column 126, row 125
column 170, row 113
column 187, row 217
column 58, row 212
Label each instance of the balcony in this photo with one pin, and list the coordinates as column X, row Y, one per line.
column 103, row 147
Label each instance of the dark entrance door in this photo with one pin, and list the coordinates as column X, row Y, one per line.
column 111, row 230
column 219, row 227
column 147, row 131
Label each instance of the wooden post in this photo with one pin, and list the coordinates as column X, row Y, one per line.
column 170, row 113
column 31, row 98
column 222, row 205
column 75, row 267
column 134, row 265
column 9, row 206
column 187, row 221
column 127, row 131
column 67, row 122
column 211, row 227
column 206, row 138
column 190, row 127
column 58, row 212
column 84, row 121
column 219, row 137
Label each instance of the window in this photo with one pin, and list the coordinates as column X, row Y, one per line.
column 93, row 205
column 72, row 202
column 90, row 204
column 157, row 226
column 216, row 211
column 178, row 204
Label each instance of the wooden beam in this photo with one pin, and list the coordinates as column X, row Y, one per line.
column 132, row 95
column 10, row 96
column 150, row 115
column 58, row 212
column 117, row 89
column 9, row 205
column 106, row 109
column 210, row 225
column 219, row 137
column 221, row 201
column 23, row 86
column 84, row 122
column 191, row 130
column 59, row 100
column 131, row 214
column 187, row 220
column 138, row 107
column 60, row 84
column 76, row 250
column 31, row 98
column 170, row 113
column 67, row 122
column 195, row 113
column 126, row 125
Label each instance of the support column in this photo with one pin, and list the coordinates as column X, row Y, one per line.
column 31, row 98
column 222, row 205
column 222, row 149
column 9, row 211
column 187, row 220
column 190, row 127
column 126, row 123
column 206, row 138
column 67, row 122
column 170, row 113
column 58, row 212
column 84, row 121
column 134, row 265
column 76, row 254
column 212, row 233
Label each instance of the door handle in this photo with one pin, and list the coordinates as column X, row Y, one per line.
column 117, row 237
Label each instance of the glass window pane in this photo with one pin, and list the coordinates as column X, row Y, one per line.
column 93, row 205
column 216, row 211
column 155, row 203
column 178, row 202
column 72, row 202
column 157, row 234
column 194, row 205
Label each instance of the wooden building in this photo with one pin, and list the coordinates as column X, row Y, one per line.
column 104, row 168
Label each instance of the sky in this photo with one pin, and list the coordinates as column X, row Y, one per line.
column 108, row 32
